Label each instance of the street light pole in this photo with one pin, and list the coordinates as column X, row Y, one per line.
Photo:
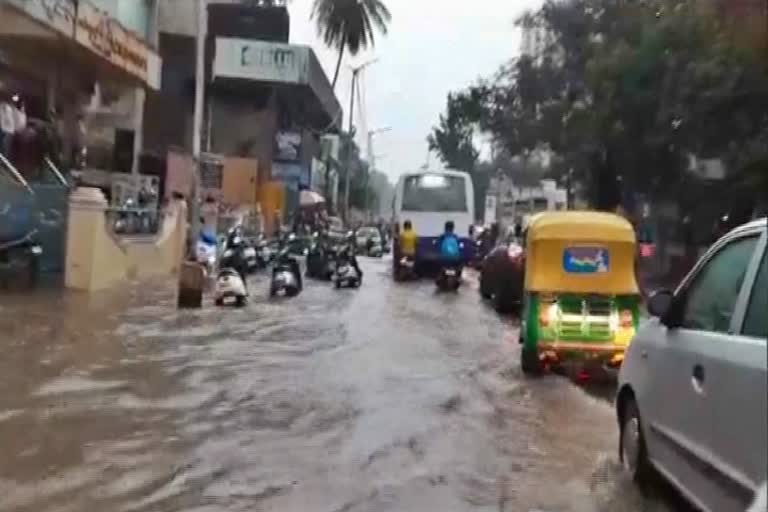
column 355, row 72
column 191, row 273
column 372, row 162
column 197, row 120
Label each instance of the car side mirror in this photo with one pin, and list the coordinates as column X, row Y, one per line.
column 660, row 303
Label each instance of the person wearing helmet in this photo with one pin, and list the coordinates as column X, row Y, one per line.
column 449, row 246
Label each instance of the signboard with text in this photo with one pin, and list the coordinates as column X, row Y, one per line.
column 57, row 14
column 97, row 31
column 260, row 60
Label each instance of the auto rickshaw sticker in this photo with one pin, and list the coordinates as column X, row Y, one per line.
column 586, row 260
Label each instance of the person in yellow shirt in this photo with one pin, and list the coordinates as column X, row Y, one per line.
column 408, row 239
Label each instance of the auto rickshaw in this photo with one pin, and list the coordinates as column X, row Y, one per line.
column 581, row 299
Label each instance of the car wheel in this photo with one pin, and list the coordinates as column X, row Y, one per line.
column 632, row 448
column 530, row 362
column 484, row 292
column 503, row 301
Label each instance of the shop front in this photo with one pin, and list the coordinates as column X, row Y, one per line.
column 69, row 73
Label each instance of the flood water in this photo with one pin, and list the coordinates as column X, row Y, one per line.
column 391, row 397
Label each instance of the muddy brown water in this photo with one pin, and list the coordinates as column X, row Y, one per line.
column 391, row 397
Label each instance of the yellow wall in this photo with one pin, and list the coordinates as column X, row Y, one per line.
column 240, row 181
column 271, row 199
column 97, row 259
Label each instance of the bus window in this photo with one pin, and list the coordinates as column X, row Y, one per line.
column 434, row 193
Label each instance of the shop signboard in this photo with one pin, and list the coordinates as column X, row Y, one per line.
column 260, row 61
column 56, row 14
column 97, row 31
column 211, row 171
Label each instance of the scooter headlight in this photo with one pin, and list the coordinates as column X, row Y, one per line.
column 228, row 253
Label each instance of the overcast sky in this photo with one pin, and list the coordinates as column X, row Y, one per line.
column 433, row 47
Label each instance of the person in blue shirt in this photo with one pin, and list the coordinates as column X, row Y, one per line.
column 449, row 246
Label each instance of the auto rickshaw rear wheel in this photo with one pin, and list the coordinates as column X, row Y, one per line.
column 530, row 362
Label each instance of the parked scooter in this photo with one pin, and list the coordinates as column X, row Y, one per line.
column 374, row 248
column 230, row 288
column 265, row 252
column 345, row 274
column 25, row 251
column 286, row 272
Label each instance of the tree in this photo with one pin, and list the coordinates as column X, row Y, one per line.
column 349, row 24
column 453, row 140
column 624, row 92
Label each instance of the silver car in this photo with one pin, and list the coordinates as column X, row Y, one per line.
column 692, row 392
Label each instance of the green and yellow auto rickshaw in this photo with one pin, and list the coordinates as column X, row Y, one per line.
column 581, row 299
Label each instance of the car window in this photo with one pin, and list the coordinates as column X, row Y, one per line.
column 712, row 295
column 756, row 319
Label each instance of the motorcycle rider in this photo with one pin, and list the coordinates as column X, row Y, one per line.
column 408, row 240
column 349, row 251
column 236, row 261
column 450, row 249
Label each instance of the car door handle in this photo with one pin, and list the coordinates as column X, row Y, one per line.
column 697, row 379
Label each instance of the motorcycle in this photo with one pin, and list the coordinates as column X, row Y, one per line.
column 375, row 249
column 449, row 278
column 317, row 257
column 286, row 274
column 230, row 288
column 345, row 274
column 406, row 269
column 25, row 250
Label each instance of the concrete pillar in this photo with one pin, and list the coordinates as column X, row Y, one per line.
column 139, row 98
column 85, row 225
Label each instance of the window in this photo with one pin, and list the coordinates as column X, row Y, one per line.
column 756, row 319
column 711, row 298
column 435, row 193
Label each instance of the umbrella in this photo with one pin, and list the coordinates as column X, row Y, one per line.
column 310, row 198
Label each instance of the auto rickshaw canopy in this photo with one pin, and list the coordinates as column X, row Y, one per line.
column 580, row 252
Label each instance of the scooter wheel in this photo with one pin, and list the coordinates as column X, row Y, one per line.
column 219, row 302
column 240, row 302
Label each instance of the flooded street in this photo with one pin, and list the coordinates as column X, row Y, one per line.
column 390, row 397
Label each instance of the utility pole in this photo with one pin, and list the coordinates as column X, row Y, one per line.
column 372, row 162
column 192, row 274
column 197, row 120
column 355, row 72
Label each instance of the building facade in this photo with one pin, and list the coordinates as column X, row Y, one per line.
column 266, row 99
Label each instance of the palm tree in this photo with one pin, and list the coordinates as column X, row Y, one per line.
column 349, row 24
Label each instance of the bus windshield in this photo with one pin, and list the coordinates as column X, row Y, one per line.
column 434, row 193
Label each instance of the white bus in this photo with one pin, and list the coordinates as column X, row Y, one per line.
column 431, row 198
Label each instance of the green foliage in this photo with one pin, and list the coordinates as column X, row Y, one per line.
column 624, row 92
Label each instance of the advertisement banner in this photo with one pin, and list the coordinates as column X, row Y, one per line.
column 287, row 146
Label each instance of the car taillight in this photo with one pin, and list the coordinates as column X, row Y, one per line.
column 626, row 319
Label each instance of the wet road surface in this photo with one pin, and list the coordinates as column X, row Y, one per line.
column 391, row 397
